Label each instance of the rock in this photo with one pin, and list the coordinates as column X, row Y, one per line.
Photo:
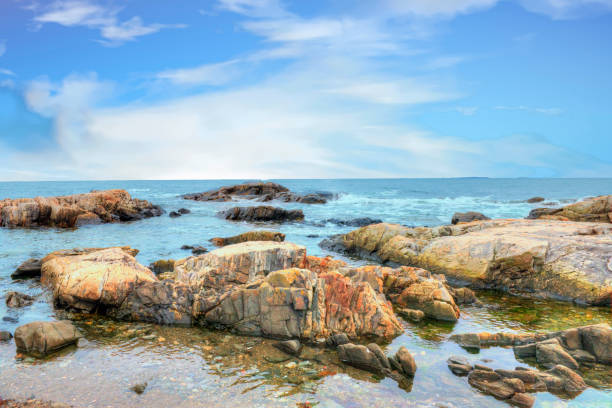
column 162, row 265
column 250, row 236
column 40, row 338
column 75, row 210
column 259, row 191
column 571, row 382
column 550, row 354
column 375, row 348
column 535, row 200
column 459, row 365
column 10, row 319
column 543, row 258
column 174, row 214
column 411, row 314
column 32, row 403
column 139, row 388
column 28, row 269
column 522, row 400
column 16, row 299
column 261, row 213
column 361, row 357
column 583, row 357
column 93, row 278
column 184, row 211
column 353, row 222
column 5, row 335
column 468, row 217
column 292, row 347
column 406, row 361
column 586, row 342
column 465, row 296
column 594, row 209
column 491, row 383
column 82, row 342
column 195, row 249
column 336, row 340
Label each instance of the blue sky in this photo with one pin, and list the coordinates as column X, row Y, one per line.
column 135, row 89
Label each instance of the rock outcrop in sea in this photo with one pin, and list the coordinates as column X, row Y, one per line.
column 257, row 191
column 75, row 210
column 262, row 213
column 542, row 258
column 249, row 236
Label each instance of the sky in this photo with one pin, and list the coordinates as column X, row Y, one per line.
column 235, row 89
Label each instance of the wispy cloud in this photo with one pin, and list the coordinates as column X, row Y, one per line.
column 4, row 71
column 88, row 13
column 466, row 110
column 545, row 111
column 254, row 8
column 207, row 74
column 567, row 9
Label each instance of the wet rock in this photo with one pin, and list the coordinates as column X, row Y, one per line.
column 411, row 314
column 465, row 296
column 10, row 319
column 491, row 383
column 595, row 209
column 32, row 403
column 249, row 236
column 40, row 338
column 567, row 380
column 550, row 354
column 459, row 365
column 583, row 357
column 75, row 210
column 542, row 258
column 174, row 214
column 195, row 249
column 468, row 217
column 258, row 191
column 375, row 348
column 535, row 200
column 522, row 400
column 5, row 335
column 361, row 357
column 261, row 213
column 184, row 211
column 406, row 361
column 293, row 347
column 17, row 300
column 353, row 222
column 336, row 340
column 549, row 348
column 139, row 388
column 28, row 269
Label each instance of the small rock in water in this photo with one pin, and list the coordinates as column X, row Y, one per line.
column 411, row 314
column 174, row 214
column 5, row 335
column 184, row 211
column 28, row 269
column 10, row 319
column 292, row 347
column 535, row 200
column 16, row 299
column 336, row 340
column 139, row 388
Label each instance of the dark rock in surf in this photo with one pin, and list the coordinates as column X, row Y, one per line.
column 258, row 191
column 468, row 217
column 28, row 269
column 535, row 200
column 17, row 300
column 261, row 214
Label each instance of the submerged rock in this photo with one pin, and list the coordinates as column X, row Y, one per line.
column 28, row 269
column 535, row 200
column 353, row 222
column 261, row 213
column 40, row 338
column 258, row 191
column 249, row 236
column 75, row 210
column 553, row 348
column 17, row 300
column 293, row 347
column 468, row 217
column 139, row 388
column 545, row 258
column 195, row 249
column 595, row 209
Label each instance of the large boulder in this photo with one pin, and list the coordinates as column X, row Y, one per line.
column 544, row 258
column 75, row 210
column 93, row 278
column 594, row 209
column 258, row 191
column 40, row 338
column 262, row 213
column 249, row 236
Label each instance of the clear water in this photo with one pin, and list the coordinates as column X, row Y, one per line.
column 194, row 367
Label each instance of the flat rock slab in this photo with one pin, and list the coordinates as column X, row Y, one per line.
column 258, row 191
column 544, row 258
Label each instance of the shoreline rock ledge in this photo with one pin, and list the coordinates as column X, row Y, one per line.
column 72, row 211
column 537, row 258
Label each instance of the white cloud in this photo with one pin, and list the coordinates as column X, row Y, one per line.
column 254, row 8
column 466, row 110
column 88, row 13
column 208, row 74
column 4, row 71
column 567, row 9
column 545, row 111
column 437, row 8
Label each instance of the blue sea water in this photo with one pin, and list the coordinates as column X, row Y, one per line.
column 410, row 202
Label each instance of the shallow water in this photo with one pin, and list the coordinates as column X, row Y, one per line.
column 187, row 367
